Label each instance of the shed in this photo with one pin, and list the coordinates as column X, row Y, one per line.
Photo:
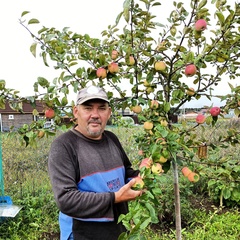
column 12, row 118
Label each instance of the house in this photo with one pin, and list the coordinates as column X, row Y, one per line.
column 12, row 118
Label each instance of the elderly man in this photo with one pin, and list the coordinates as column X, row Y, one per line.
column 90, row 173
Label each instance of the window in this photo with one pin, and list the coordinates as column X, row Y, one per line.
column 10, row 116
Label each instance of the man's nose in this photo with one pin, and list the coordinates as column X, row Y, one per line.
column 95, row 113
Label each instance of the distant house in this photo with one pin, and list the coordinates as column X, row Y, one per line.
column 11, row 118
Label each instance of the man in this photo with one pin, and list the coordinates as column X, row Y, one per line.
column 90, row 172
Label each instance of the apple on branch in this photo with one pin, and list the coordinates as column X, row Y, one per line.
column 190, row 91
column 190, row 70
column 101, row 73
column 157, row 168
column 160, row 66
column 131, row 61
column 200, row 119
column 215, row 111
column 114, row 54
column 148, row 125
column 137, row 109
column 113, row 67
column 139, row 184
column 49, row 113
column 200, row 25
column 154, row 104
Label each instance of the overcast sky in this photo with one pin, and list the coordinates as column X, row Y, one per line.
column 19, row 68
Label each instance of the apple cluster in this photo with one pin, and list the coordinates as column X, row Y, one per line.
column 113, row 67
column 188, row 173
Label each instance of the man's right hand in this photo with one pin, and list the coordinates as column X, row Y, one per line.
column 126, row 193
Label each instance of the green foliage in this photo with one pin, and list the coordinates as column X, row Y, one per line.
column 146, row 38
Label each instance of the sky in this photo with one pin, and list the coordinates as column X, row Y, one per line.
column 20, row 69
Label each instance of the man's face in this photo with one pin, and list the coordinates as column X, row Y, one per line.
column 92, row 117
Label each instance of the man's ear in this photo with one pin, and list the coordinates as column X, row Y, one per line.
column 75, row 111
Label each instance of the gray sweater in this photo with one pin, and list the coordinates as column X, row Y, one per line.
column 84, row 174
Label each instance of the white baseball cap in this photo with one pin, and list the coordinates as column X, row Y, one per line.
column 89, row 93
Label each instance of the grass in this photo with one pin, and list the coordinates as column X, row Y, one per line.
column 27, row 182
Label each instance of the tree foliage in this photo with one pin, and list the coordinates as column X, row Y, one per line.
column 139, row 32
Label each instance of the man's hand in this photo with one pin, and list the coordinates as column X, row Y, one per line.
column 125, row 193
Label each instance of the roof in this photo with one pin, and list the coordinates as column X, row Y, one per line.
column 27, row 108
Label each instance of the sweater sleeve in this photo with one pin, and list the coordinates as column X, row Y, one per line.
column 62, row 167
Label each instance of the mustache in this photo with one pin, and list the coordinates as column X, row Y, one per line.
column 95, row 121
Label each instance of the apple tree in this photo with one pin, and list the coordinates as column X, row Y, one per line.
column 153, row 66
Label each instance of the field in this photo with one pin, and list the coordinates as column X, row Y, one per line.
column 206, row 214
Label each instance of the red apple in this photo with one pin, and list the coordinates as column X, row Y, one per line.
column 215, row 111
column 101, row 73
column 49, row 113
column 190, row 70
column 160, row 66
column 114, row 54
column 186, row 171
column 200, row 25
column 193, row 177
column 140, row 152
column 146, row 162
column 113, row 67
column 200, row 118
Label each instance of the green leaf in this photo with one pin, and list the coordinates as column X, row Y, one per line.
column 220, row 18
column 24, row 13
column 33, row 48
column 202, row 4
column 226, row 193
column 33, row 21
column 43, row 82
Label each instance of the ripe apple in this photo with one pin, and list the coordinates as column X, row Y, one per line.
column 146, row 162
column 190, row 70
column 215, row 111
column 113, row 67
column 193, row 177
column 186, row 171
column 114, row 54
column 148, row 125
column 49, row 113
column 200, row 25
column 190, row 91
column 154, row 104
column 160, row 66
column 156, row 168
column 131, row 61
column 41, row 134
column 139, row 184
column 137, row 109
column 200, row 118
column 140, row 152
column 101, row 73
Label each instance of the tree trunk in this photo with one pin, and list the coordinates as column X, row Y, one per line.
column 177, row 201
